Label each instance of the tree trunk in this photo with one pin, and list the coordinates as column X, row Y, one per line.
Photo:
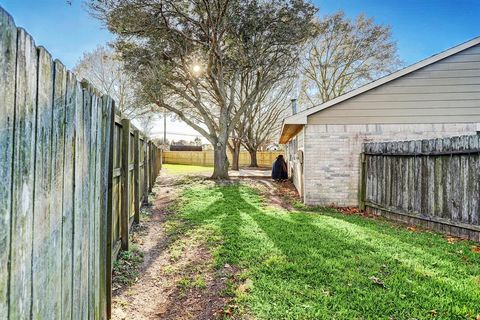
column 220, row 161
column 253, row 157
column 236, row 156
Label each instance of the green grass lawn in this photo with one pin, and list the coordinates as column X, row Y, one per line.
column 184, row 169
column 325, row 265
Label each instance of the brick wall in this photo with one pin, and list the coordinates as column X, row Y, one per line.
column 331, row 159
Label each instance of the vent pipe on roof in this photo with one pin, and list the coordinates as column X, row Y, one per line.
column 294, row 106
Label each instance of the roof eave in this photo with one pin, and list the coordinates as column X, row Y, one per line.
column 290, row 129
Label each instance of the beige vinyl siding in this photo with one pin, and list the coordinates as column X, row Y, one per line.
column 447, row 91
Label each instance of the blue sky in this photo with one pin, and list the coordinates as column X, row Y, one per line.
column 66, row 31
column 420, row 27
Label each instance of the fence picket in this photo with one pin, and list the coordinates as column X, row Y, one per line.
column 56, row 197
column 8, row 40
column 406, row 177
column 77, row 251
column 108, row 125
column 42, row 227
column 68, row 196
column 136, row 175
column 93, row 249
column 99, row 254
column 437, row 206
column 23, row 177
column 86, row 209
column 125, row 214
column 146, row 165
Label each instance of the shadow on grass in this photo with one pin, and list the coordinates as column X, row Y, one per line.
column 306, row 265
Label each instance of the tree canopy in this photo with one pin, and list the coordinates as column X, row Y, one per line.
column 190, row 55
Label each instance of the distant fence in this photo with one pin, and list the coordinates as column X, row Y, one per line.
column 72, row 174
column 431, row 183
column 205, row 158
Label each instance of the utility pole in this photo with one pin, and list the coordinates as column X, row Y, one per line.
column 164, row 132
column 165, row 128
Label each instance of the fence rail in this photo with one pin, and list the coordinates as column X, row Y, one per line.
column 72, row 177
column 433, row 183
column 205, row 158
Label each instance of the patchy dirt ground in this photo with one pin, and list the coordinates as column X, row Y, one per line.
column 280, row 194
column 177, row 279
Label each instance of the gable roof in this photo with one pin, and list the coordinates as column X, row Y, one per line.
column 293, row 124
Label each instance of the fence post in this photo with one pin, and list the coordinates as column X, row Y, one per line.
column 136, row 175
column 154, row 175
column 154, row 149
column 363, row 182
column 125, row 151
column 160, row 152
column 146, row 164
column 152, row 169
column 150, row 162
column 109, row 143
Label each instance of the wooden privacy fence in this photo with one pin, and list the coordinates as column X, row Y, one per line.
column 205, row 158
column 431, row 183
column 136, row 163
column 72, row 176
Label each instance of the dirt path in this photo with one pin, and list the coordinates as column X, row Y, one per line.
column 177, row 279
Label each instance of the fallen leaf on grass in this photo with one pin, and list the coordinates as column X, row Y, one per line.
column 230, row 309
column 451, row 239
column 378, row 282
column 411, row 228
column 246, row 286
column 345, row 210
column 476, row 250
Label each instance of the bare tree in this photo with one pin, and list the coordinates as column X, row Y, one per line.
column 265, row 118
column 344, row 55
column 147, row 122
column 235, row 141
column 262, row 119
column 189, row 55
column 104, row 69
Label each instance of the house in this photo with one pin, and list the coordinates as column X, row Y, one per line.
column 436, row 97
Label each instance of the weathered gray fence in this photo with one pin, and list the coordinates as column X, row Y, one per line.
column 66, row 160
column 432, row 183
